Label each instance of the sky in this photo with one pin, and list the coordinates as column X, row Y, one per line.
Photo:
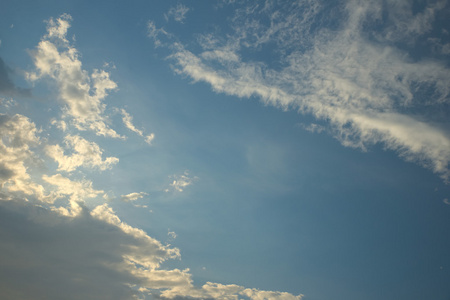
column 225, row 149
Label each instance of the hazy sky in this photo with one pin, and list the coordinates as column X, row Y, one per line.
column 225, row 149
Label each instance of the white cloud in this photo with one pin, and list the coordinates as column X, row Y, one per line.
column 178, row 13
column 180, row 182
column 85, row 153
column 133, row 196
column 82, row 94
column 369, row 90
column 128, row 122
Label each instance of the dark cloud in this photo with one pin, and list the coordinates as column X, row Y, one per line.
column 48, row 256
column 7, row 87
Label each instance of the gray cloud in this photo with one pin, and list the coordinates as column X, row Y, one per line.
column 49, row 256
column 7, row 87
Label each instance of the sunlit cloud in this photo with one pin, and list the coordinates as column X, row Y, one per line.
column 81, row 93
column 18, row 136
column 85, row 153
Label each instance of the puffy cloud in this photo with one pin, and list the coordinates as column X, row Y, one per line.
column 133, row 196
column 356, row 71
column 60, row 124
column 128, row 122
column 86, row 154
column 56, row 58
column 155, row 33
column 18, row 134
column 77, row 191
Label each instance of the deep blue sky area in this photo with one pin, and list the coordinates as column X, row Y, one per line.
column 225, row 150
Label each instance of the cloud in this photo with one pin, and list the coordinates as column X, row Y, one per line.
column 354, row 66
column 212, row 290
column 180, row 182
column 60, row 124
column 128, row 122
column 85, row 153
column 178, row 13
column 154, row 33
column 133, row 196
column 172, row 235
column 7, row 87
column 77, row 190
column 313, row 128
column 17, row 136
column 82, row 94
column 52, row 244
column 91, row 256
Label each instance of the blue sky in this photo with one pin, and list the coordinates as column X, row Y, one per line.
column 225, row 150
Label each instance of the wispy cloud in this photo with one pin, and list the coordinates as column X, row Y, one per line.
column 128, row 122
column 345, row 72
column 133, row 196
column 178, row 12
column 156, row 33
column 180, row 182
